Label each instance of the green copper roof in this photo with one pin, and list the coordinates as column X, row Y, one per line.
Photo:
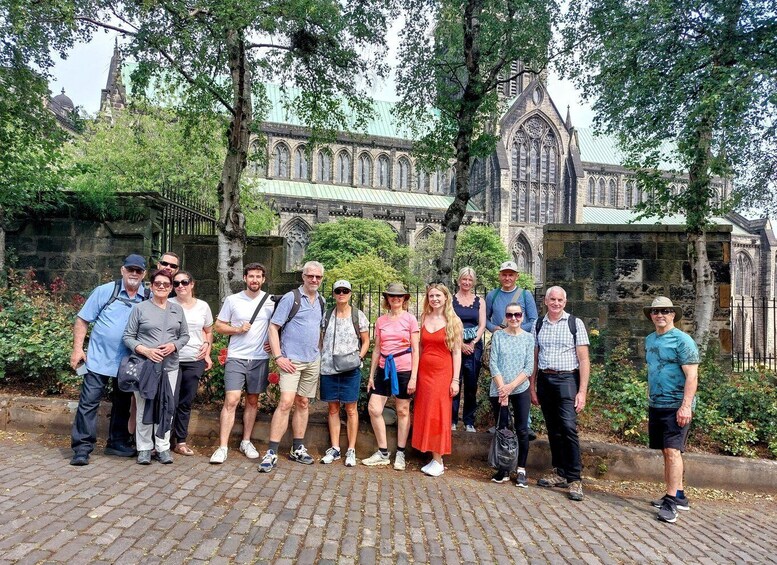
column 351, row 194
column 604, row 149
column 596, row 215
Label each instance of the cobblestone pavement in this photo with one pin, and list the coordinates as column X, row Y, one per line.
column 114, row 511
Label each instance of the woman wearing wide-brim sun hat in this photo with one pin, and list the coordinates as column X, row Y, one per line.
column 393, row 372
column 663, row 303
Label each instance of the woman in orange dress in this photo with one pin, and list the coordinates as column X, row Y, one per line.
column 438, row 377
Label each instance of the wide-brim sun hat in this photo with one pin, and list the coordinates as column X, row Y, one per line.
column 396, row 289
column 663, row 302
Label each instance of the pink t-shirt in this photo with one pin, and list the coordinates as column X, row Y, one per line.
column 394, row 335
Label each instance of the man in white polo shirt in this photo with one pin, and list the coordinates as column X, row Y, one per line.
column 244, row 317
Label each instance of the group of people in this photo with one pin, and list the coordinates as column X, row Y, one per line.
column 433, row 361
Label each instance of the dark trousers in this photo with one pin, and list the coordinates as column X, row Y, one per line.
column 521, row 403
column 468, row 386
column 188, row 381
column 556, row 394
column 84, row 433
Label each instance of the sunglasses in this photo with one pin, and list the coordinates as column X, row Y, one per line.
column 134, row 270
column 341, row 291
column 664, row 311
column 516, row 315
column 159, row 284
column 314, row 277
column 184, row 282
column 166, row 264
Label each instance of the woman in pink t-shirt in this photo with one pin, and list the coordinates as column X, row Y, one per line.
column 393, row 372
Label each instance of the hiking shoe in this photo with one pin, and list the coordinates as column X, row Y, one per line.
column 453, row 427
column 435, row 469
column 553, row 480
column 350, row 458
column 219, row 456
column 331, row 454
column 520, row 480
column 144, row 457
column 301, row 455
column 164, row 457
column 668, row 510
column 377, row 458
column 681, row 503
column 247, row 448
column 80, row 459
column 399, row 461
column 500, row 477
column 269, row 461
column 470, row 428
column 575, row 491
column 120, row 450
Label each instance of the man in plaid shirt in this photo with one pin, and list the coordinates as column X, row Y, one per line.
column 559, row 385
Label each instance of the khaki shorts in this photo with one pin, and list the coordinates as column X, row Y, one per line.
column 304, row 381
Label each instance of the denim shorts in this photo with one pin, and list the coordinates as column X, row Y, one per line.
column 341, row 387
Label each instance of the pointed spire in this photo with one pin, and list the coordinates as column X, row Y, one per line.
column 568, row 121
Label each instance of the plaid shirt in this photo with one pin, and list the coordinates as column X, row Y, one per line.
column 556, row 344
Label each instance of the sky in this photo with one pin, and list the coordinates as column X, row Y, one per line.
column 84, row 73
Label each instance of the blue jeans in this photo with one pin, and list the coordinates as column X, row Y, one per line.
column 84, row 433
column 468, row 386
column 556, row 394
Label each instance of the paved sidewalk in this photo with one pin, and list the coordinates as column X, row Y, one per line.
column 114, row 511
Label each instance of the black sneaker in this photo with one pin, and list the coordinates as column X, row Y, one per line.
column 520, row 480
column 682, row 503
column 668, row 510
column 80, row 459
column 500, row 477
column 119, row 450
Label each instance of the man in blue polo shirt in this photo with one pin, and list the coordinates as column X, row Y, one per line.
column 295, row 347
column 108, row 308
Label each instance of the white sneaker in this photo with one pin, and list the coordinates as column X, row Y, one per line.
column 470, row 428
column 247, row 448
column 425, row 468
column 435, row 469
column 219, row 456
column 399, row 461
column 453, row 427
column 377, row 458
column 350, row 458
column 331, row 454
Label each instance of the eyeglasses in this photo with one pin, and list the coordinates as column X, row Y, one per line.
column 314, row 277
column 664, row 311
column 341, row 291
column 516, row 315
column 166, row 264
column 135, row 270
column 160, row 284
column 184, row 282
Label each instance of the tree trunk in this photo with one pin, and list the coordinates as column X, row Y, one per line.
column 2, row 245
column 231, row 222
column 704, row 282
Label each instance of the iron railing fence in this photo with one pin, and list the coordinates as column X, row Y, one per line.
column 754, row 332
column 184, row 214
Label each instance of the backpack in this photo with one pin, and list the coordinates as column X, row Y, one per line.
column 354, row 320
column 115, row 296
column 491, row 296
column 572, row 321
column 295, row 307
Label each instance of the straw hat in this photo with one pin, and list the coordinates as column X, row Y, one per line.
column 664, row 302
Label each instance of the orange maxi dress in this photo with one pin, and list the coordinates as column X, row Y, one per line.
column 433, row 402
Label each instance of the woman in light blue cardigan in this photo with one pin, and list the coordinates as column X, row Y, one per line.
column 511, row 364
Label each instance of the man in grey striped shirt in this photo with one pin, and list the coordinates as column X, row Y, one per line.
column 559, row 385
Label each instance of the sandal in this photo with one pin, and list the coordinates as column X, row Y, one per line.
column 183, row 449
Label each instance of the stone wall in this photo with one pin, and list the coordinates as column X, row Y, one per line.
column 611, row 271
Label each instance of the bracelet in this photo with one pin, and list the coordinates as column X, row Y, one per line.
column 277, row 357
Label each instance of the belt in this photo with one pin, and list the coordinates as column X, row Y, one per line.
column 552, row 372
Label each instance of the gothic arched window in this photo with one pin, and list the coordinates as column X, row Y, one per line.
column 629, row 194
column 743, row 281
column 364, row 170
column 591, row 191
column 613, row 193
column 324, row 166
column 535, row 173
column 522, row 254
column 343, row 168
column 281, row 161
column 383, row 172
column 254, row 161
column 300, row 163
column 297, row 235
column 404, row 174
column 602, row 192
column 423, row 180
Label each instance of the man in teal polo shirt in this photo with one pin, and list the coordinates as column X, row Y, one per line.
column 108, row 309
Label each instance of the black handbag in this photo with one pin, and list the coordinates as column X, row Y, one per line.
column 503, row 454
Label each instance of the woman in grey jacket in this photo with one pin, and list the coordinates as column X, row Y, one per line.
column 157, row 330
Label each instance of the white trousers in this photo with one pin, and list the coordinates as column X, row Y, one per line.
column 145, row 439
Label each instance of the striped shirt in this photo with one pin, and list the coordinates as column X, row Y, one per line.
column 557, row 346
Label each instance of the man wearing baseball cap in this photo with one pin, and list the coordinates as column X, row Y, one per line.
column 108, row 308
column 673, row 361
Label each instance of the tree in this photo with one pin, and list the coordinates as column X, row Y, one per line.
column 448, row 82
column 363, row 272
column 338, row 242
column 698, row 75
column 215, row 55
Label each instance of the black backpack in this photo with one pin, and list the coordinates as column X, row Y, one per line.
column 572, row 321
column 354, row 320
column 145, row 295
column 295, row 307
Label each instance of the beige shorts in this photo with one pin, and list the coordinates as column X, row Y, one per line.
column 304, row 381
